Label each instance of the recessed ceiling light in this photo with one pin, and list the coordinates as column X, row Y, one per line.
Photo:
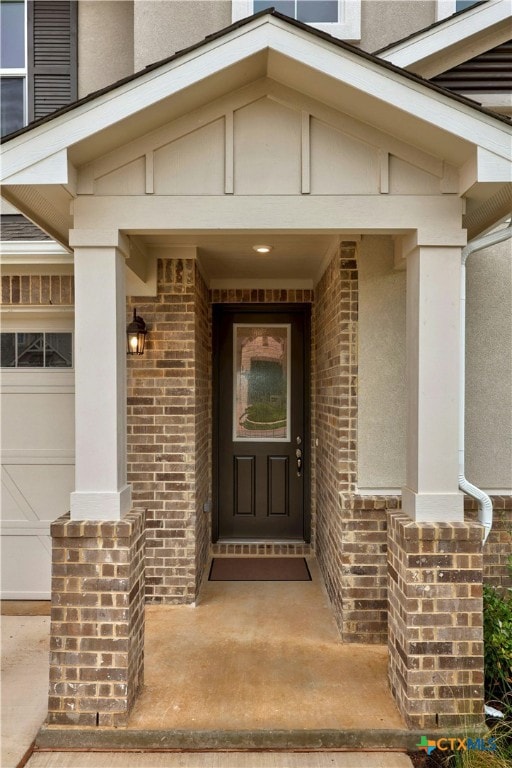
column 262, row 248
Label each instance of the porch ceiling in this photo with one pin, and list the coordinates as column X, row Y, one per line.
column 227, row 256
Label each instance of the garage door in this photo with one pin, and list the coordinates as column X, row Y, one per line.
column 37, row 392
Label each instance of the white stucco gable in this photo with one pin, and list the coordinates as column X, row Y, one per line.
column 324, row 101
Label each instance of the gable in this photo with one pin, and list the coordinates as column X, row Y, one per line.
column 266, row 139
column 321, row 116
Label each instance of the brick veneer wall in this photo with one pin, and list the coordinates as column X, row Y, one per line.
column 97, row 620
column 435, row 621
column 364, row 573
column 167, row 456
column 38, row 289
column 498, row 547
column 335, row 420
column 203, row 417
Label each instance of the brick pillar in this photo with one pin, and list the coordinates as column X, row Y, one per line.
column 435, row 621
column 97, row 622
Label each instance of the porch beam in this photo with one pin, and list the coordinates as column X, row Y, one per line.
column 101, row 491
column 436, row 220
column 431, row 493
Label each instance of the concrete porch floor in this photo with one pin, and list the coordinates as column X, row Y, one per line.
column 260, row 655
column 254, row 665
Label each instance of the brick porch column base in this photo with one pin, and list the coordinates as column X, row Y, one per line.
column 435, row 621
column 97, row 620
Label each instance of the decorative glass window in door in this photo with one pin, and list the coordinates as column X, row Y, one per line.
column 261, row 382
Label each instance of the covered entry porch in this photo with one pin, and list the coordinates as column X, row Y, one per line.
column 254, row 665
column 270, row 130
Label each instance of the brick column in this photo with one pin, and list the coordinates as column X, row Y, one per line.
column 435, row 621
column 97, row 623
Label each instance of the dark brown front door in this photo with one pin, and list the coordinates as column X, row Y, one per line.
column 261, row 467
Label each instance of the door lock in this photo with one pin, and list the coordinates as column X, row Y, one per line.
column 298, row 455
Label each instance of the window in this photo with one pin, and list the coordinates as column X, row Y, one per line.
column 341, row 18
column 447, row 8
column 461, row 5
column 308, row 11
column 36, row 350
column 13, row 65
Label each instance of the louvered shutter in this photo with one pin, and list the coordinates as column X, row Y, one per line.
column 52, row 55
column 490, row 72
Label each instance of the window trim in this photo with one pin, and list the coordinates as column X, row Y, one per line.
column 348, row 28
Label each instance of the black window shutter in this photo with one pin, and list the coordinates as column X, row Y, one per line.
column 52, row 55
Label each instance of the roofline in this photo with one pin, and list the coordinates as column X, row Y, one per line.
column 422, row 31
column 371, row 57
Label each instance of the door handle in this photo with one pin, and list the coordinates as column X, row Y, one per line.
column 298, row 455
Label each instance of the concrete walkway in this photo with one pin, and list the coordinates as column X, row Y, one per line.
column 261, row 658
column 24, row 699
column 220, row 760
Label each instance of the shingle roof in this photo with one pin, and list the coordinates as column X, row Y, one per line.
column 272, row 12
column 14, row 226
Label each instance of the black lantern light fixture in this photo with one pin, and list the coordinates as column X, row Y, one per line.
column 136, row 335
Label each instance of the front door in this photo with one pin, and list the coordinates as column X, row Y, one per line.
column 261, row 468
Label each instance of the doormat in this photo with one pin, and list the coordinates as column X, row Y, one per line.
column 259, row 569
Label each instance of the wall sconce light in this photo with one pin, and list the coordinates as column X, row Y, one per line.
column 136, row 335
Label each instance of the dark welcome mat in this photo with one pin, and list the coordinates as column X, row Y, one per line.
column 259, row 569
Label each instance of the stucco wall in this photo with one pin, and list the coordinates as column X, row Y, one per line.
column 489, row 368
column 382, row 391
column 382, row 413
column 384, row 22
column 161, row 27
column 105, row 43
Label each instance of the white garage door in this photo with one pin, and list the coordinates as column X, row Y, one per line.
column 37, row 450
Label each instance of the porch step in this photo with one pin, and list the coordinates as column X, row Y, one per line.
column 75, row 737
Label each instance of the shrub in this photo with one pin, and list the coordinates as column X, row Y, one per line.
column 498, row 644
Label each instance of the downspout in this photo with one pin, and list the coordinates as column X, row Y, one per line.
column 484, row 502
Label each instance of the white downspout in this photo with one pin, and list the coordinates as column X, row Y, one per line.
column 484, row 502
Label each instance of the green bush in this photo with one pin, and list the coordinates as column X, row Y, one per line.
column 498, row 644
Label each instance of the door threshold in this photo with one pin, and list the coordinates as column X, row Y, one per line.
column 261, row 547
column 262, row 541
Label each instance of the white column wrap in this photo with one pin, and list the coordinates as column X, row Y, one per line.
column 101, row 491
column 431, row 492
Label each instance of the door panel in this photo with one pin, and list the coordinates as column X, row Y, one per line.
column 278, row 478
column 244, row 482
column 260, row 392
